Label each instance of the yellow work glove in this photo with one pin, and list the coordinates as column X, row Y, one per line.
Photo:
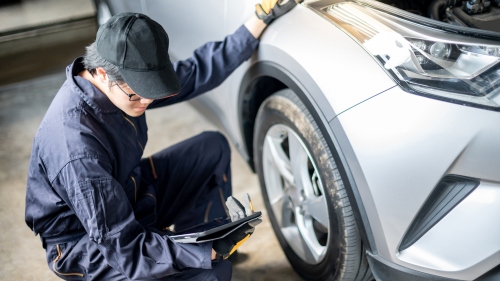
column 227, row 246
column 269, row 10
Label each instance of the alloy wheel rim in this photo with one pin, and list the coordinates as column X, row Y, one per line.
column 296, row 193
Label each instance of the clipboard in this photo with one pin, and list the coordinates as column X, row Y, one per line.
column 212, row 230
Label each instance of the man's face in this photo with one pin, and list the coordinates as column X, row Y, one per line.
column 123, row 97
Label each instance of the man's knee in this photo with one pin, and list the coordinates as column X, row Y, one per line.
column 218, row 145
column 216, row 139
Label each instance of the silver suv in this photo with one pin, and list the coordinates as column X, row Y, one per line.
column 374, row 129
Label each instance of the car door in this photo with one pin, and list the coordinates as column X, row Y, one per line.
column 106, row 8
column 189, row 23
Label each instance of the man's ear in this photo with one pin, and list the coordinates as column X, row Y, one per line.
column 102, row 76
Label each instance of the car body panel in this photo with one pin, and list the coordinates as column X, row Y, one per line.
column 181, row 20
column 334, row 62
column 395, row 168
column 120, row 6
column 303, row 58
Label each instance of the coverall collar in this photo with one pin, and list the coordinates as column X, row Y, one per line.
column 87, row 91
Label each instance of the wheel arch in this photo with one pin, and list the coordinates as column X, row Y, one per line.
column 265, row 78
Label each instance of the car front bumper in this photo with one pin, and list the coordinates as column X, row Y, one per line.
column 398, row 147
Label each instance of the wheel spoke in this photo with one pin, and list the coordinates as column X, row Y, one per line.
column 279, row 158
column 309, row 239
column 277, row 204
column 298, row 244
column 316, row 208
column 298, row 161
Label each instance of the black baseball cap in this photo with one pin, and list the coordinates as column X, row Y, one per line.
column 138, row 45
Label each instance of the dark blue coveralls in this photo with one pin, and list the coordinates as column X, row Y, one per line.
column 100, row 210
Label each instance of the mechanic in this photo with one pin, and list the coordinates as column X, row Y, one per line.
column 101, row 211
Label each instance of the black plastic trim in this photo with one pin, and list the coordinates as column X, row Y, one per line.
column 385, row 270
column 492, row 275
column 448, row 193
column 270, row 69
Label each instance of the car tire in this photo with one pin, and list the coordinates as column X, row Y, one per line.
column 304, row 193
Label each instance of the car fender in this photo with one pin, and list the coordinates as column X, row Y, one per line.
column 319, row 58
column 329, row 72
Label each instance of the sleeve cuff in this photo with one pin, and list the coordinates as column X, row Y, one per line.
column 247, row 40
column 207, row 261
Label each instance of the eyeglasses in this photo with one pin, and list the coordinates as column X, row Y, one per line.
column 131, row 97
column 136, row 97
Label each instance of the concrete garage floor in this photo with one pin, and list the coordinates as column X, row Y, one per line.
column 29, row 79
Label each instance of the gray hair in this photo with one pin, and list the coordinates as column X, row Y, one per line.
column 93, row 60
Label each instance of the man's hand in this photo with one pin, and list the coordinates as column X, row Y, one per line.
column 237, row 210
column 227, row 245
column 270, row 10
column 214, row 254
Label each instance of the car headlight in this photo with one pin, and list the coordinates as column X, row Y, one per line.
column 424, row 56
